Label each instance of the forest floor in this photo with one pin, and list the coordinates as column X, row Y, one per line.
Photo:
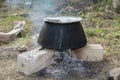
column 101, row 25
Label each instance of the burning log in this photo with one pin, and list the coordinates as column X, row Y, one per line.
column 7, row 37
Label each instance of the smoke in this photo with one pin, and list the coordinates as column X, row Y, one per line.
column 39, row 9
column 42, row 9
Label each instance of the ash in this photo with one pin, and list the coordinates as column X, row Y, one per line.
column 65, row 70
column 70, row 69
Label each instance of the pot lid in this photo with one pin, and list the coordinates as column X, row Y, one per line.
column 63, row 19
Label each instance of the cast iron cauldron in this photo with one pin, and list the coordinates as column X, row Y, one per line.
column 62, row 33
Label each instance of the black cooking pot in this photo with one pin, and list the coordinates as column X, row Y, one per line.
column 62, row 33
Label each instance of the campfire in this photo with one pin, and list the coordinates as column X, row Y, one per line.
column 63, row 48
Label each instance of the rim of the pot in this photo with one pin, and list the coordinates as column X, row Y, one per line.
column 62, row 19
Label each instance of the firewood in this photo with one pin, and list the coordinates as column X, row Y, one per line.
column 8, row 37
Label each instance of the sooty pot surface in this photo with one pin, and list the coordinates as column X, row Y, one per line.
column 62, row 33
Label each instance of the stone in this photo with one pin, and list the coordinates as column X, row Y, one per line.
column 91, row 52
column 114, row 74
column 34, row 60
